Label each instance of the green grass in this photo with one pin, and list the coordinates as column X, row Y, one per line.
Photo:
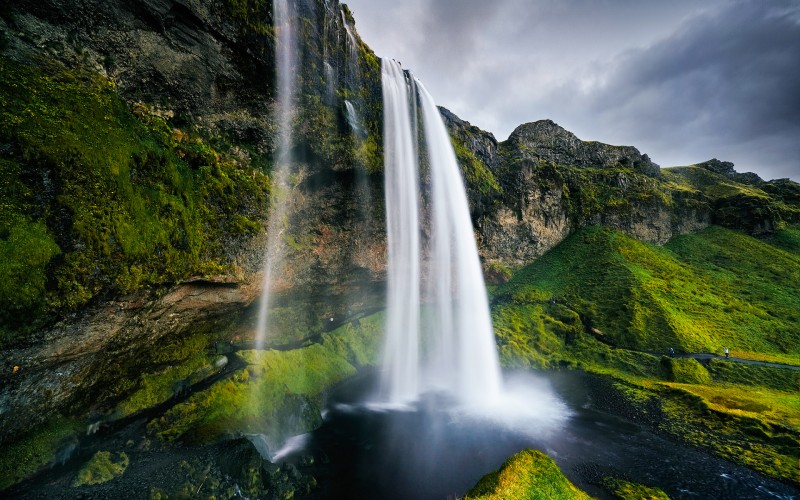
column 531, row 475
column 699, row 293
column 608, row 304
column 626, row 490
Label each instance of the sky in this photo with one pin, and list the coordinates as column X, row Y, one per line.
column 684, row 81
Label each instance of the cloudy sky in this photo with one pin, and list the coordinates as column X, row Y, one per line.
column 682, row 80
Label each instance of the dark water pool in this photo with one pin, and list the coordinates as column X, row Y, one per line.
column 433, row 451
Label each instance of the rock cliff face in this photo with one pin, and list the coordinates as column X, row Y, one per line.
column 544, row 141
column 550, row 183
column 194, row 83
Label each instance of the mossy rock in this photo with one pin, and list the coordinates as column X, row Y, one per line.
column 32, row 452
column 101, row 469
column 531, row 475
column 626, row 490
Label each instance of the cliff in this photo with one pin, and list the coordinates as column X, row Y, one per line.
column 549, row 183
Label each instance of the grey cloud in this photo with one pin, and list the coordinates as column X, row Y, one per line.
column 721, row 81
column 680, row 80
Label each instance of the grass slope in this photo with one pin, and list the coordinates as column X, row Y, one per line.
column 612, row 305
column 701, row 292
column 530, row 474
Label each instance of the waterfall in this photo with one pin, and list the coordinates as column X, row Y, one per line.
column 274, row 252
column 400, row 378
column 460, row 357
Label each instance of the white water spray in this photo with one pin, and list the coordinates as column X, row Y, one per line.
column 274, row 252
column 461, row 357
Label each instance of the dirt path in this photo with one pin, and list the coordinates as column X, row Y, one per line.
column 701, row 356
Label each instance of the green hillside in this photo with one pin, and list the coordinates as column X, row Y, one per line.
column 699, row 293
column 612, row 305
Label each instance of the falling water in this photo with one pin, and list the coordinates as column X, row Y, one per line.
column 461, row 357
column 400, row 380
column 353, row 121
column 464, row 358
column 285, row 59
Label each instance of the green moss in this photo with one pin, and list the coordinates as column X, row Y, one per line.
column 700, row 293
column 754, row 428
column 277, row 395
column 30, row 453
column 530, row 474
column 687, row 371
column 358, row 341
column 280, row 392
column 101, row 469
column 155, row 388
column 475, row 172
column 253, row 16
column 100, row 198
column 626, row 490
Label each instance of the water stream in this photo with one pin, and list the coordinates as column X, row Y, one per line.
column 274, row 253
column 451, row 349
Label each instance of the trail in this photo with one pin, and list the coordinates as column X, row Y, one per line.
column 702, row 356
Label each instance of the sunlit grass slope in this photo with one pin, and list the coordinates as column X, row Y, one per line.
column 699, row 293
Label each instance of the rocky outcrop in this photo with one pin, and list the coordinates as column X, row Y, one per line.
column 552, row 183
column 726, row 169
column 79, row 361
column 482, row 144
column 545, row 141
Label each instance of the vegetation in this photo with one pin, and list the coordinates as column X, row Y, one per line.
column 29, row 453
column 625, row 490
column 279, row 394
column 98, row 198
column 612, row 305
column 101, row 469
column 475, row 172
column 700, row 293
column 530, row 474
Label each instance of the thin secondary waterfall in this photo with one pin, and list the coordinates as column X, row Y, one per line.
column 400, row 380
column 460, row 354
column 274, row 252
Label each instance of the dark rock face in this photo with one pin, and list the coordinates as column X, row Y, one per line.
column 80, row 359
column 481, row 143
column 726, row 169
column 185, row 57
column 545, row 141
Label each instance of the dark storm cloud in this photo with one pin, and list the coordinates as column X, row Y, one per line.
column 726, row 84
column 452, row 28
column 683, row 81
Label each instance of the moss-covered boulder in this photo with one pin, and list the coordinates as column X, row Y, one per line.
column 102, row 469
column 531, row 475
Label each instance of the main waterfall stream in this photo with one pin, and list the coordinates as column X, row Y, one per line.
column 451, row 348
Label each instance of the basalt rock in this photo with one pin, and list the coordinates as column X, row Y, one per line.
column 545, row 141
